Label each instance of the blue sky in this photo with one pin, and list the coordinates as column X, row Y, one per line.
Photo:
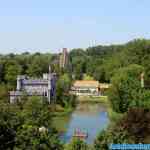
column 49, row 25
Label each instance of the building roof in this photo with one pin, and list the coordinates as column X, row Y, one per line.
column 86, row 83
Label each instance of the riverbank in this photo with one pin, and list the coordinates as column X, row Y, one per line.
column 62, row 115
column 92, row 99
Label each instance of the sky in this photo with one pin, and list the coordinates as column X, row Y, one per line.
column 49, row 25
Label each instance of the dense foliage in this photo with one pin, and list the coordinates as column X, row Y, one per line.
column 19, row 127
column 120, row 65
column 100, row 62
column 126, row 90
column 103, row 61
column 77, row 144
column 132, row 128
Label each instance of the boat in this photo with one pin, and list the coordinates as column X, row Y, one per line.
column 80, row 134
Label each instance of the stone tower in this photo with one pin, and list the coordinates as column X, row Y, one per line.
column 63, row 60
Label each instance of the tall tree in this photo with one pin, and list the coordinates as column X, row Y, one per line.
column 12, row 69
column 126, row 90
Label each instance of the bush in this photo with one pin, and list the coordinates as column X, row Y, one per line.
column 77, row 144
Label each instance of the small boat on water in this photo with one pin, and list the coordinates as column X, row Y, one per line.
column 80, row 134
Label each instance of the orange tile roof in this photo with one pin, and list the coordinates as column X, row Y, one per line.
column 86, row 83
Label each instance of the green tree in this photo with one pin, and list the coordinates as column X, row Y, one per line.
column 77, row 144
column 29, row 137
column 12, row 69
column 136, row 122
column 126, row 88
column 62, row 89
column 111, row 136
column 99, row 74
column 36, row 112
column 132, row 128
column 9, row 123
column 39, row 65
column 4, row 92
column 87, row 77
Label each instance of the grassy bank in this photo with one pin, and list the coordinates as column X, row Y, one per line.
column 60, row 117
column 94, row 99
column 62, row 111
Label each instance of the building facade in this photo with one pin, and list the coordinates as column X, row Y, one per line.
column 85, row 87
column 63, row 60
column 89, row 87
column 43, row 87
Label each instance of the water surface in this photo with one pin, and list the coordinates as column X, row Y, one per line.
column 91, row 118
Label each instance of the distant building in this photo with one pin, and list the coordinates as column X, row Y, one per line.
column 63, row 60
column 44, row 87
column 85, row 87
column 88, row 87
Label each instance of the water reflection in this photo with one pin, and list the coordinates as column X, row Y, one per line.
column 91, row 118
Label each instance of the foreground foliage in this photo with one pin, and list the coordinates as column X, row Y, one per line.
column 77, row 144
column 19, row 128
column 132, row 128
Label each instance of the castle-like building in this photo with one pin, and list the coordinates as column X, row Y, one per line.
column 43, row 87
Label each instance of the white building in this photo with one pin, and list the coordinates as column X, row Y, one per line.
column 85, row 87
column 89, row 87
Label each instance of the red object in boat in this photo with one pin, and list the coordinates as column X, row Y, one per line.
column 80, row 134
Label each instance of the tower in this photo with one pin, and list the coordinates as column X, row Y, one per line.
column 49, row 85
column 63, row 60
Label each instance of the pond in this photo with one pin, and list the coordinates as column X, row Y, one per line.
column 88, row 117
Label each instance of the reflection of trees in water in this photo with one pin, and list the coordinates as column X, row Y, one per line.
column 90, row 109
